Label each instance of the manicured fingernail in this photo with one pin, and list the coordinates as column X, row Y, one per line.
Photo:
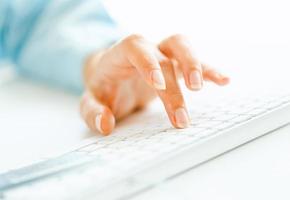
column 181, row 118
column 158, row 80
column 195, row 80
column 98, row 122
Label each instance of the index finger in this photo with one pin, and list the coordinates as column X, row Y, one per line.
column 178, row 47
column 142, row 55
column 172, row 97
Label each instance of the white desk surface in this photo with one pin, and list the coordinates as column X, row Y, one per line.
column 36, row 121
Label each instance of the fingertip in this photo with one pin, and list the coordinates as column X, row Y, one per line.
column 108, row 125
column 181, row 118
column 105, row 122
column 223, row 80
column 226, row 80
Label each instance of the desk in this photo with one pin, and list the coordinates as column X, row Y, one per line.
column 259, row 170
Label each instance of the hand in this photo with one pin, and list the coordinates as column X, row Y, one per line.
column 127, row 76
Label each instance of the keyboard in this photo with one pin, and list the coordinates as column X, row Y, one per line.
column 147, row 151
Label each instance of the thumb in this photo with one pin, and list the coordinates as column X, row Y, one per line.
column 97, row 116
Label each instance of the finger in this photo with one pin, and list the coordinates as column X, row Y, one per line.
column 142, row 56
column 178, row 47
column 213, row 75
column 172, row 97
column 97, row 116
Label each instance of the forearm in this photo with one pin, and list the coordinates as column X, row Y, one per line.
column 59, row 41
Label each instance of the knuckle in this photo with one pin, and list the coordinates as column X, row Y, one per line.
column 176, row 95
column 133, row 39
column 194, row 65
column 165, row 63
column 177, row 37
column 206, row 68
column 176, row 100
column 149, row 67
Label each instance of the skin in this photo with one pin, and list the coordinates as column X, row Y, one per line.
column 128, row 75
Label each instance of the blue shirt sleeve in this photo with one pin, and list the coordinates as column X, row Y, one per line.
column 49, row 40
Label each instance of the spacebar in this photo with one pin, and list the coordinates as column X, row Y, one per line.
column 43, row 169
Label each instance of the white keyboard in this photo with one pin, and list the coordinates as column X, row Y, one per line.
column 148, row 151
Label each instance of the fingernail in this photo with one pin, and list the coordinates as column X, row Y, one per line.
column 158, row 80
column 181, row 118
column 98, row 122
column 195, row 80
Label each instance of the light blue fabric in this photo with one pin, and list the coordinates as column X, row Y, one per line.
column 48, row 40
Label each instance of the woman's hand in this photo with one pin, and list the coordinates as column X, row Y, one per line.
column 131, row 73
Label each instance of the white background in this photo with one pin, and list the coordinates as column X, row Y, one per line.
column 240, row 21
